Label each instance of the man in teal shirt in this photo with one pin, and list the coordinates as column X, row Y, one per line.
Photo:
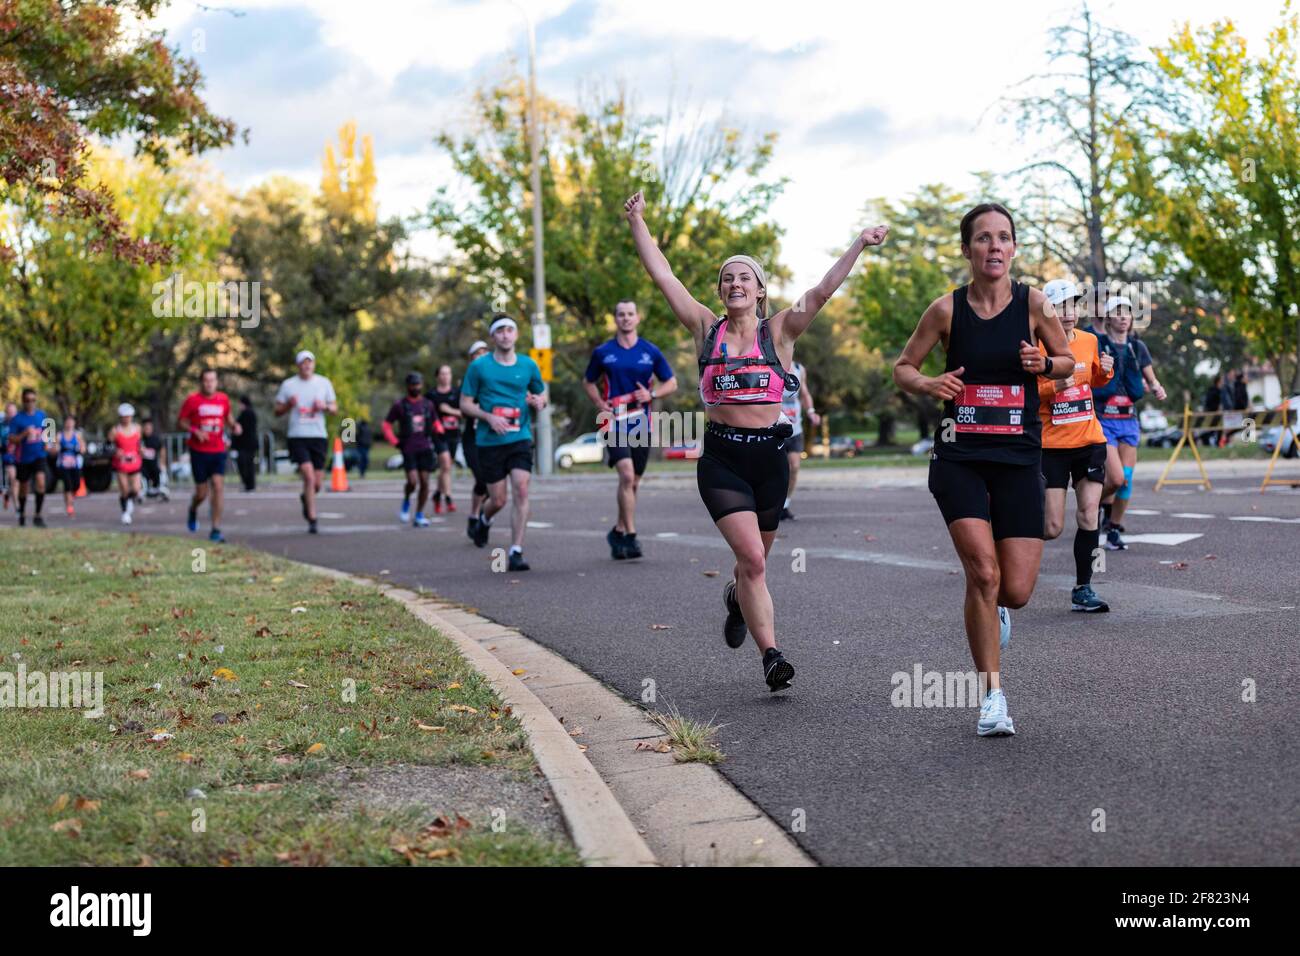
column 498, row 390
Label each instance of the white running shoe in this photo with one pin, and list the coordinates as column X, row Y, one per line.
column 404, row 515
column 1004, row 620
column 994, row 720
column 126, row 517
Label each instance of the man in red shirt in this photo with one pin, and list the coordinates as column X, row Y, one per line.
column 205, row 415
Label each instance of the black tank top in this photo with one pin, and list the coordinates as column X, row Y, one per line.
column 996, row 417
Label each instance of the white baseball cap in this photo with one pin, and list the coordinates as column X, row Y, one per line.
column 126, row 408
column 1058, row 290
column 1115, row 301
column 502, row 323
column 303, row 356
column 480, row 344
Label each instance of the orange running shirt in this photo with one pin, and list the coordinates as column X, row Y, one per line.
column 1066, row 405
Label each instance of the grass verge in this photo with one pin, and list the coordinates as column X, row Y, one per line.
column 234, row 685
column 693, row 741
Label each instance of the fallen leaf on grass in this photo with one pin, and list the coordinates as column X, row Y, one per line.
column 224, row 673
column 89, row 806
column 428, row 727
column 298, row 610
column 72, row 826
column 443, row 853
column 140, row 774
column 463, row 709
column 262, row 631
column 58, row 805
column 278, row 579
column 185, row 757
column 299, row 684
column 455, row 685
column 315, row 748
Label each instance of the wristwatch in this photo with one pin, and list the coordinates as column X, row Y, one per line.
column 1047, row 370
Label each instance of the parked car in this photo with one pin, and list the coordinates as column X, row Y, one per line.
column 1152, row 420
column 1165, row 438
column 586, row 449
column 923, row 447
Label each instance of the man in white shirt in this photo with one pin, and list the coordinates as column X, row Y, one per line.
column 307, row 397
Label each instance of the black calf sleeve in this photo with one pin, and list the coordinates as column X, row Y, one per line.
column 1085, row 545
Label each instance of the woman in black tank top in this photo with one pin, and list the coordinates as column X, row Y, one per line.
column 985, row 471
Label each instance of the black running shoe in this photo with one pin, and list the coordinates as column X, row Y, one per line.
column 631, row 546
column 470, row 526
column 311, row 528
column 786, row 515
column 481, row 531
column 617, row 548
column 517, row 562
column 778, row 671
column 22, row 519
column 734, row 630
column 38, row 522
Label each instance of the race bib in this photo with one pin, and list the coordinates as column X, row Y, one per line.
column 149, row 454
column 1073, row 404
column 991, row 410
column 624, row 407
column 68, row 460
column 450, row 422
column 741, row 386
column 511, row 415
column 417, row 424
column 126, row 458
column 1118, row 406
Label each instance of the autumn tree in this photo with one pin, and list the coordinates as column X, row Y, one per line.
column 73, row 69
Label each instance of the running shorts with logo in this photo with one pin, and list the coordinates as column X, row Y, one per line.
column 744, row 469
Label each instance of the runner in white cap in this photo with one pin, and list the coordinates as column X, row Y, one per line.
column 1118, row 411
column 127, row 460
column 307, row 397
column 500, row 390
column 1074, row 448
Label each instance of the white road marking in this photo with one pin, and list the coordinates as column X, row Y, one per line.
column 1170, row 540
column 1265, row 518
column 1192, row 514
column 1141, row 511
column 667, row 534
column 540, row 524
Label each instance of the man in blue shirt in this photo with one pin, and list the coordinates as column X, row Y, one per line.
column 27, row 441
column 626, row 366
column 497, row 393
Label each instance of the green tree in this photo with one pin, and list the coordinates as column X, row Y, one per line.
column 82, row 321
column 920, row 261
column 707, row 193
column 76, row 68
column 1213, row 180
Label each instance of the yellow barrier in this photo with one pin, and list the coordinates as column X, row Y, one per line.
column 1230, row 421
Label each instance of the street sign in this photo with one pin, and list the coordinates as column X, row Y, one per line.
column 543, row 358
column 541, row 336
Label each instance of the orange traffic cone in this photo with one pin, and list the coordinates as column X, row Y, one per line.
column 81, row 491
column 338, row 474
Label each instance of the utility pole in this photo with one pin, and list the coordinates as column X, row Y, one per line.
column 541, row 328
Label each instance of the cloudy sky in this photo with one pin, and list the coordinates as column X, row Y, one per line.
column 869, row 99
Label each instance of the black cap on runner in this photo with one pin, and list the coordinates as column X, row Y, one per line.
column 414, row 378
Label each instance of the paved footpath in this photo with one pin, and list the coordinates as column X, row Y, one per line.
column 1135, row 717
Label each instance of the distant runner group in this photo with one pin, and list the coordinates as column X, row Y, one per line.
column 1033, row 404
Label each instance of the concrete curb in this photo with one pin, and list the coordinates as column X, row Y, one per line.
column 600, row 828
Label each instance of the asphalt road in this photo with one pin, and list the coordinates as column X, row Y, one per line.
column 1137, row 714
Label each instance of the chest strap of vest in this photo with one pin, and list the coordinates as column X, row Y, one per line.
column 767, row 355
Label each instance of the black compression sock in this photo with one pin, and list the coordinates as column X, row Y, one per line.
column 1105, row 511
column 1085, row 545
column 121, row 502
column 40, row 501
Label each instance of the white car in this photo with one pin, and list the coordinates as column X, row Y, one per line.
column 1152, row 420
column 584, row 450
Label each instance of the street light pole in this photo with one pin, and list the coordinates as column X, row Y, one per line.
column 541, row 328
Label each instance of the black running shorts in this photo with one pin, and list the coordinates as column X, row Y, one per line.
column 1085, row 463
column 495, row 462
column 1009, row 497
column 743, row 469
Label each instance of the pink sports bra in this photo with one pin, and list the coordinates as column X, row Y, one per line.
column 754, row 378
